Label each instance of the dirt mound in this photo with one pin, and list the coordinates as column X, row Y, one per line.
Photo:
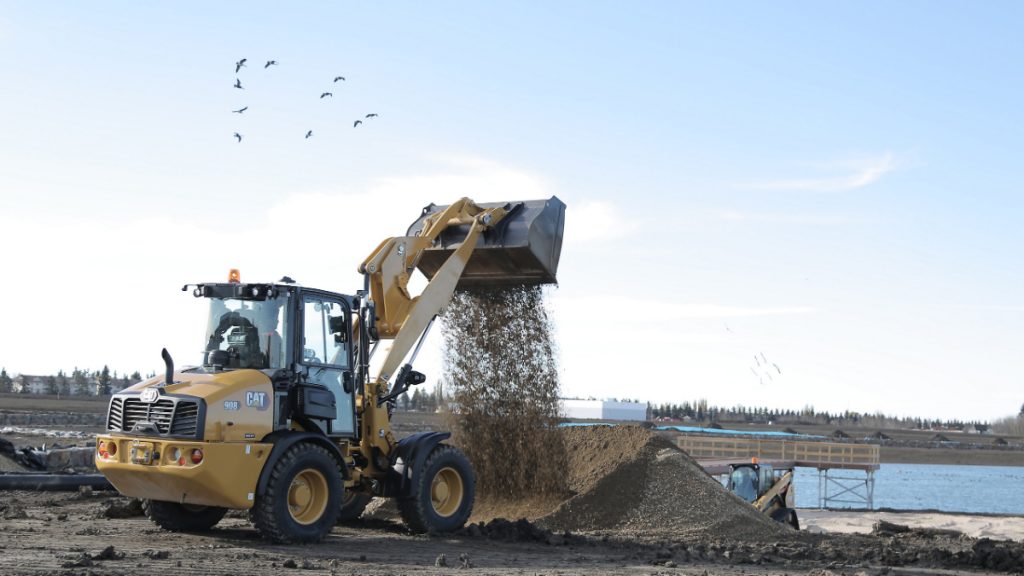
column 632, row 481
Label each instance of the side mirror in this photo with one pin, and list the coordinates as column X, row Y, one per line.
column 337, row 327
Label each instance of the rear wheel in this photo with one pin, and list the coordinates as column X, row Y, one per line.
column 442, row 497
column 182, row 517
column 303, row 496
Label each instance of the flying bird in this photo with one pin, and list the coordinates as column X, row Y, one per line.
column 239, row 136
column 371, row 115
column 240, row 110
column 325, row 94
column 269, row 64
column 238, row 84
column 239, row 65
column 336, row 78
column 308, row 134
column 357, row 123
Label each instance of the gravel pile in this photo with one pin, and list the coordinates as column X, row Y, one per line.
column 634, row 482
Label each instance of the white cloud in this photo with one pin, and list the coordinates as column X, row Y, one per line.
column 864, row 174
column 597, row 221
column 783, row 218
column 662, row 311
column 108, row 294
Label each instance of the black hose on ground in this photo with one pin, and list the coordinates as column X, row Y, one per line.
column 53, row 482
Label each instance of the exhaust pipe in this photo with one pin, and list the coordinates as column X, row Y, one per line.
column 169, row 378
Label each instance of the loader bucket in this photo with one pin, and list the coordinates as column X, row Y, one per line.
column 523, row 248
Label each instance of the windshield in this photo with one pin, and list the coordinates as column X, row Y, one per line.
column 744, row 483
column 249, row 333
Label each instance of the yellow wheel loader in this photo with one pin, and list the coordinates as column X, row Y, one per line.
column 283, row 416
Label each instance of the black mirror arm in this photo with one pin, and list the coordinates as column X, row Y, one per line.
column 407, row 377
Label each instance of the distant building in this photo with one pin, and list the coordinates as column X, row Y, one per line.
column 604, row 410
column 28, row 384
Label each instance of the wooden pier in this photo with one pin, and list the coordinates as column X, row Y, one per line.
column 838, row 463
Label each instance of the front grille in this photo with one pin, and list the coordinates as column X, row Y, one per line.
column 170, row 415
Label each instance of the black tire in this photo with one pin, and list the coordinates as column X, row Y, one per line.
column 182, row 517
column 786, row 516
column 302, row 467
column 793, row 520
column 419, row 509
column 352, row 505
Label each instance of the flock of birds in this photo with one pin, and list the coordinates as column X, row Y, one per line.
column 309, row 133
column 765, row 369
column 762, row 368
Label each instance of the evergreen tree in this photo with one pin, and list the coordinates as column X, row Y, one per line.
column 103, row 376
column 62, row 383
column 6, row 382
column 51, row 385
column 79, row 382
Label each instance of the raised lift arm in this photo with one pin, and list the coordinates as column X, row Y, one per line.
column 404, row 317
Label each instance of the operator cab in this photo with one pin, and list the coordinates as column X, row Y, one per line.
column 750, row 481
column 301, row 338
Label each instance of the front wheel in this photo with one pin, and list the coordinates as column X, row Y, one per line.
column 786, row 516
column 182, row 517
column 441, row 499
column 302, row 498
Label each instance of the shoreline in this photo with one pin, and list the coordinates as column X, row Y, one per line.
column 862, row 521
column 951, row 456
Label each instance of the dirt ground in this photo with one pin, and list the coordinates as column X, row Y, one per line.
column 66, row 533
column 637, row 505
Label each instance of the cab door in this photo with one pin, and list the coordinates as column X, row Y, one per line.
column 327, row 355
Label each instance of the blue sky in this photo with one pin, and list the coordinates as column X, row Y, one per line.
column 834, row 186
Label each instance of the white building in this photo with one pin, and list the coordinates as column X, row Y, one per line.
column 27, row 384
column 604, row 410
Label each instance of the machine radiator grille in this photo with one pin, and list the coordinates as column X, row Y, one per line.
column 170, row 416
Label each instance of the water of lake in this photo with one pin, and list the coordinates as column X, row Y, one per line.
column 977, row 489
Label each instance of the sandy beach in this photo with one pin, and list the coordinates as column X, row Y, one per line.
column 996, row 527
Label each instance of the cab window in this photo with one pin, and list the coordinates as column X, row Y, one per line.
column 325, row 333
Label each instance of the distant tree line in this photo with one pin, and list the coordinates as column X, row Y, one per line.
column 701, row 412
column 81, row 382
column 422, row 400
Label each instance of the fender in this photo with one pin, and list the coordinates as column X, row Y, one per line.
column 413, row 451
column 285, row 439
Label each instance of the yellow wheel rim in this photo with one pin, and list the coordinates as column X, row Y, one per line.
column 307, row 496
column 446, row 492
